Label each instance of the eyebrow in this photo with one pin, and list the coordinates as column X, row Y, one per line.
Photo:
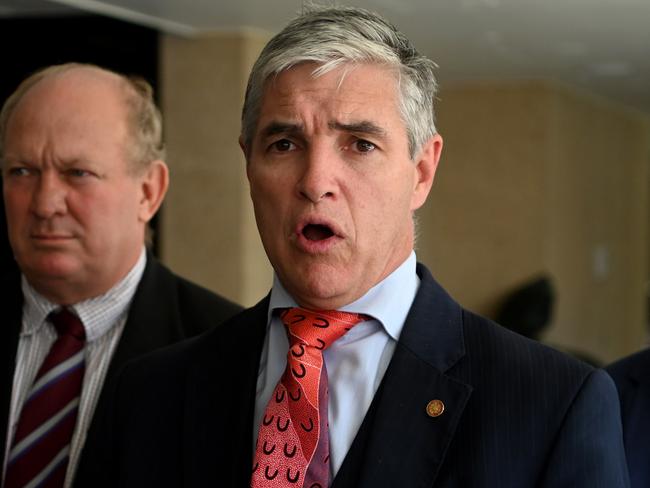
column 9, row 160
column 275, row 128
column 361, row 127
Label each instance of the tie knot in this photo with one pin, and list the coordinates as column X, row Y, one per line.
column 318, row 328
column 67, row 323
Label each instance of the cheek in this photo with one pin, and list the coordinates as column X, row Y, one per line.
column 265, row 210
column 16, row 206
column 273, row 205
column 384, row 211
column 100, row 212
column 269, row 194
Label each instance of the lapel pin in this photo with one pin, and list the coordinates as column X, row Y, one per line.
column 435, row 408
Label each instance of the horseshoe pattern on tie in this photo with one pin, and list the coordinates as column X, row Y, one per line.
column 303, row 371
column 297, row 319
column 321, row 323
column 302, row 351
column 283, row 428
column 311, row 425
column 291, row 479
column 268, row 451
column 279, row 396
column 286, row 450
column 270, row 476
column 294, row 409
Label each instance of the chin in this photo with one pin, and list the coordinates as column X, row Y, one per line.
column 51, row 267
column 322, row 292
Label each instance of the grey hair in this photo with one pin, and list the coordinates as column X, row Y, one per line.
column 144, row 118
column 334, row 36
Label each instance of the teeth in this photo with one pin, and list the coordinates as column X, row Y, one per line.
column 317, row 232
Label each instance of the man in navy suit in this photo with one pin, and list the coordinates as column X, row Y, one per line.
column 631, row 375
column 341, row 149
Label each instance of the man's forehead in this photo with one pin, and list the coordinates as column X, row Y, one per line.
column 309, row 73
column 82, row 102
column 344, row 89
column 78, row 82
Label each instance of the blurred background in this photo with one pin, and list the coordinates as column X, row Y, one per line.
column 539, row 212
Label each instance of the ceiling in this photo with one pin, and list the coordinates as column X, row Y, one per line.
column 602, row 46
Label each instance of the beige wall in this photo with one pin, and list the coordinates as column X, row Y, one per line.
column 598, row 208
column 534, row 178
column 208, row 232
column 482, row 230
column 537, row 178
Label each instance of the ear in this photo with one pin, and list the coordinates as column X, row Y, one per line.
column 426, row 165
column 244, row 149
column 153, row 183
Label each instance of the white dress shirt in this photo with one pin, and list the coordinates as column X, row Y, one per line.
column 103, row 319
column 355, row 363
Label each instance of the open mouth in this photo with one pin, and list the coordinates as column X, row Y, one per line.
column 317, row 232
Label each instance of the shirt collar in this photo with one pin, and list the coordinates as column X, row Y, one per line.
column 389, row 301
column 98, row 314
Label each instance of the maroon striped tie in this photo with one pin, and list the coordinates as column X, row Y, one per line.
column 41, row 446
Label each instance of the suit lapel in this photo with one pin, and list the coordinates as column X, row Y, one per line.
column 635, row 405
column 220, row 403
column 139, row 335
column 11, row 325
column 397, row 426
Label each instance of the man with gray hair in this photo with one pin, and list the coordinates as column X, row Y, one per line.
column 357, row 370
column 83, row 173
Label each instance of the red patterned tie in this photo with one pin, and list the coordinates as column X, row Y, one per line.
column 293, row 443
column 40, row 450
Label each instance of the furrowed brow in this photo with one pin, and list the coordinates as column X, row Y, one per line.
column 275, row 128
column 8, row 160
column 362, row 127
column 74, row 162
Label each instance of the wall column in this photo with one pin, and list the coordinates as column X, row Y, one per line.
column 208, row 231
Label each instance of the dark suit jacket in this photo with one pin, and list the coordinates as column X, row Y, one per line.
column 164, row 310
column 517, row 414
column 632, row 377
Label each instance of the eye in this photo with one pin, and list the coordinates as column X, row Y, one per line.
column 282, row 145
column 78, row 173
column 363, row 146
column 18, row 171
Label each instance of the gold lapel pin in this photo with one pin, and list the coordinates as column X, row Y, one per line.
column 435, row 408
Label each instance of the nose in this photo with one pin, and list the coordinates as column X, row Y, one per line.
column 318, row 180
column 49, row 196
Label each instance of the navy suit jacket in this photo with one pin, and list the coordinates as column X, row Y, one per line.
column 165, row 309
column 632, row 377
column 517, row 414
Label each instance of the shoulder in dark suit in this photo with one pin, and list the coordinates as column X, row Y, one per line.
column 165, row 309
column 632, row 378
column 517, row 414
